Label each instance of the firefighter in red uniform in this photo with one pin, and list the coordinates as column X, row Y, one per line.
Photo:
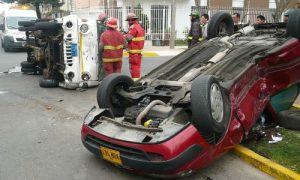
column 135, row 38
column 111, row 45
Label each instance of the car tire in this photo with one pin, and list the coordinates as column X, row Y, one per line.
column 48, row 83
column 293, row 25
column 106, row 91
column 217, row 20
column 26, row 64
column 289, row 119
column 28, row 70
column 48, row 26
column 26, row 23
column 31, row 28
column 209, row 117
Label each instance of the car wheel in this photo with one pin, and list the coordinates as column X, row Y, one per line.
column 221, row 24
column 26, row 64
column 293, row 25
column 210, row 107
column 31, row 28
column 48, row 26
column 48, row 83
column 29, row 70
column 290, row 119
column 26, row 23
column 106, row 94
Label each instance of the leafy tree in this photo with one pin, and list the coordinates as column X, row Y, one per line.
column 55, row 4
column 8, row 1
column 281, row 6
column 138, row 10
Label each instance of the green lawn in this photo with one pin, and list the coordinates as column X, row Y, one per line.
column 285, row 152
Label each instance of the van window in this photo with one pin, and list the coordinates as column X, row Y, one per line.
column 12, row 21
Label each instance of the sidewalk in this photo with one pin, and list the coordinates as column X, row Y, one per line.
column 152, row 51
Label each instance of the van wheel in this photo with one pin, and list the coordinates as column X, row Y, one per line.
column 26, row 64
column 48, row 83
column 26, row 23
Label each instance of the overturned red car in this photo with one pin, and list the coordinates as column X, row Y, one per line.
column 192, row 109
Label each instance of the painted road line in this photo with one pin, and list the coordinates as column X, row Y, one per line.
column 145, row 54
column 296, row 105
column 264, row 164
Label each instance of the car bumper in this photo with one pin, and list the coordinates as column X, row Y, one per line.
column 10, row 43
column 147, row 166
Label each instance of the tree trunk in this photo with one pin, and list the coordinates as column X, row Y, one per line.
column 38, row 11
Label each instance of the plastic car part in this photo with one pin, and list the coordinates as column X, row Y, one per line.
column 219, row 25
column 290, row 119
column 106, row 94
column 147, row 109
column 209, row 106
column 293, row 25
column 48, row 83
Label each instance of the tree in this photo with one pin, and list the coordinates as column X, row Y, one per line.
column 8, row 1
column 37, row 3
column 281, row 6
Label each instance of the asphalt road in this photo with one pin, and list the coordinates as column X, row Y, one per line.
column 40, row 133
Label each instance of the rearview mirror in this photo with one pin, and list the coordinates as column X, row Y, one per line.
column 2, row 27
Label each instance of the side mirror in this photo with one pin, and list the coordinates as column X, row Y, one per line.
column 2, row 27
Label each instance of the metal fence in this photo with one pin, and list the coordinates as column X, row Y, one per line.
column 156, row 19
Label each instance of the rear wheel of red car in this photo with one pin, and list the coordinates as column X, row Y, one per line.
column 107, row 96
column 210, row 107
column 290, row 119
column 221, row 24
column 293, row 25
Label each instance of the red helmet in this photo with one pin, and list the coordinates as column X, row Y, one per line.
column 112, row 23
column 102, row 16
column 131, row 16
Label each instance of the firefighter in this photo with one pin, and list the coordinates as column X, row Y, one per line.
column 111, row 48
column 195, row 33
column 135, row 38
column 101, row 27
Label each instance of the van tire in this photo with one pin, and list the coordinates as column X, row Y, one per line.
column 31, row 28
column 26, row 23
column 48, row 26
column 26, row 64
column 48, row 83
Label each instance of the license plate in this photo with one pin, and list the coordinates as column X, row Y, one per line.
column 111, row 155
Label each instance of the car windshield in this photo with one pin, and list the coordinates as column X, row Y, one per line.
column 12, row 22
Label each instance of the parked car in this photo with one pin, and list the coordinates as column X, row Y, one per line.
column 65, row 49
column 195, row 107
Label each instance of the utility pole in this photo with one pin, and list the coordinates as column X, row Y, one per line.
column 173, row 33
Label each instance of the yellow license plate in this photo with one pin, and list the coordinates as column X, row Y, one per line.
column 111, row 155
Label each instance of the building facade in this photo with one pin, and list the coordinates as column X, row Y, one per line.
column 155, row 15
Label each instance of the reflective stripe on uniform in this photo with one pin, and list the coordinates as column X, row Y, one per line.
column 111, row 59
column 200, row 39
column 138, row 39
column 135, row 51
column 113, row 47
column 190, row 37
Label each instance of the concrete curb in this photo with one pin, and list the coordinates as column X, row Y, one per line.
column 296, row 106
column 264, row 164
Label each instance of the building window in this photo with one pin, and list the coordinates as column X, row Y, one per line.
column 272, row 4
column 238, row 3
